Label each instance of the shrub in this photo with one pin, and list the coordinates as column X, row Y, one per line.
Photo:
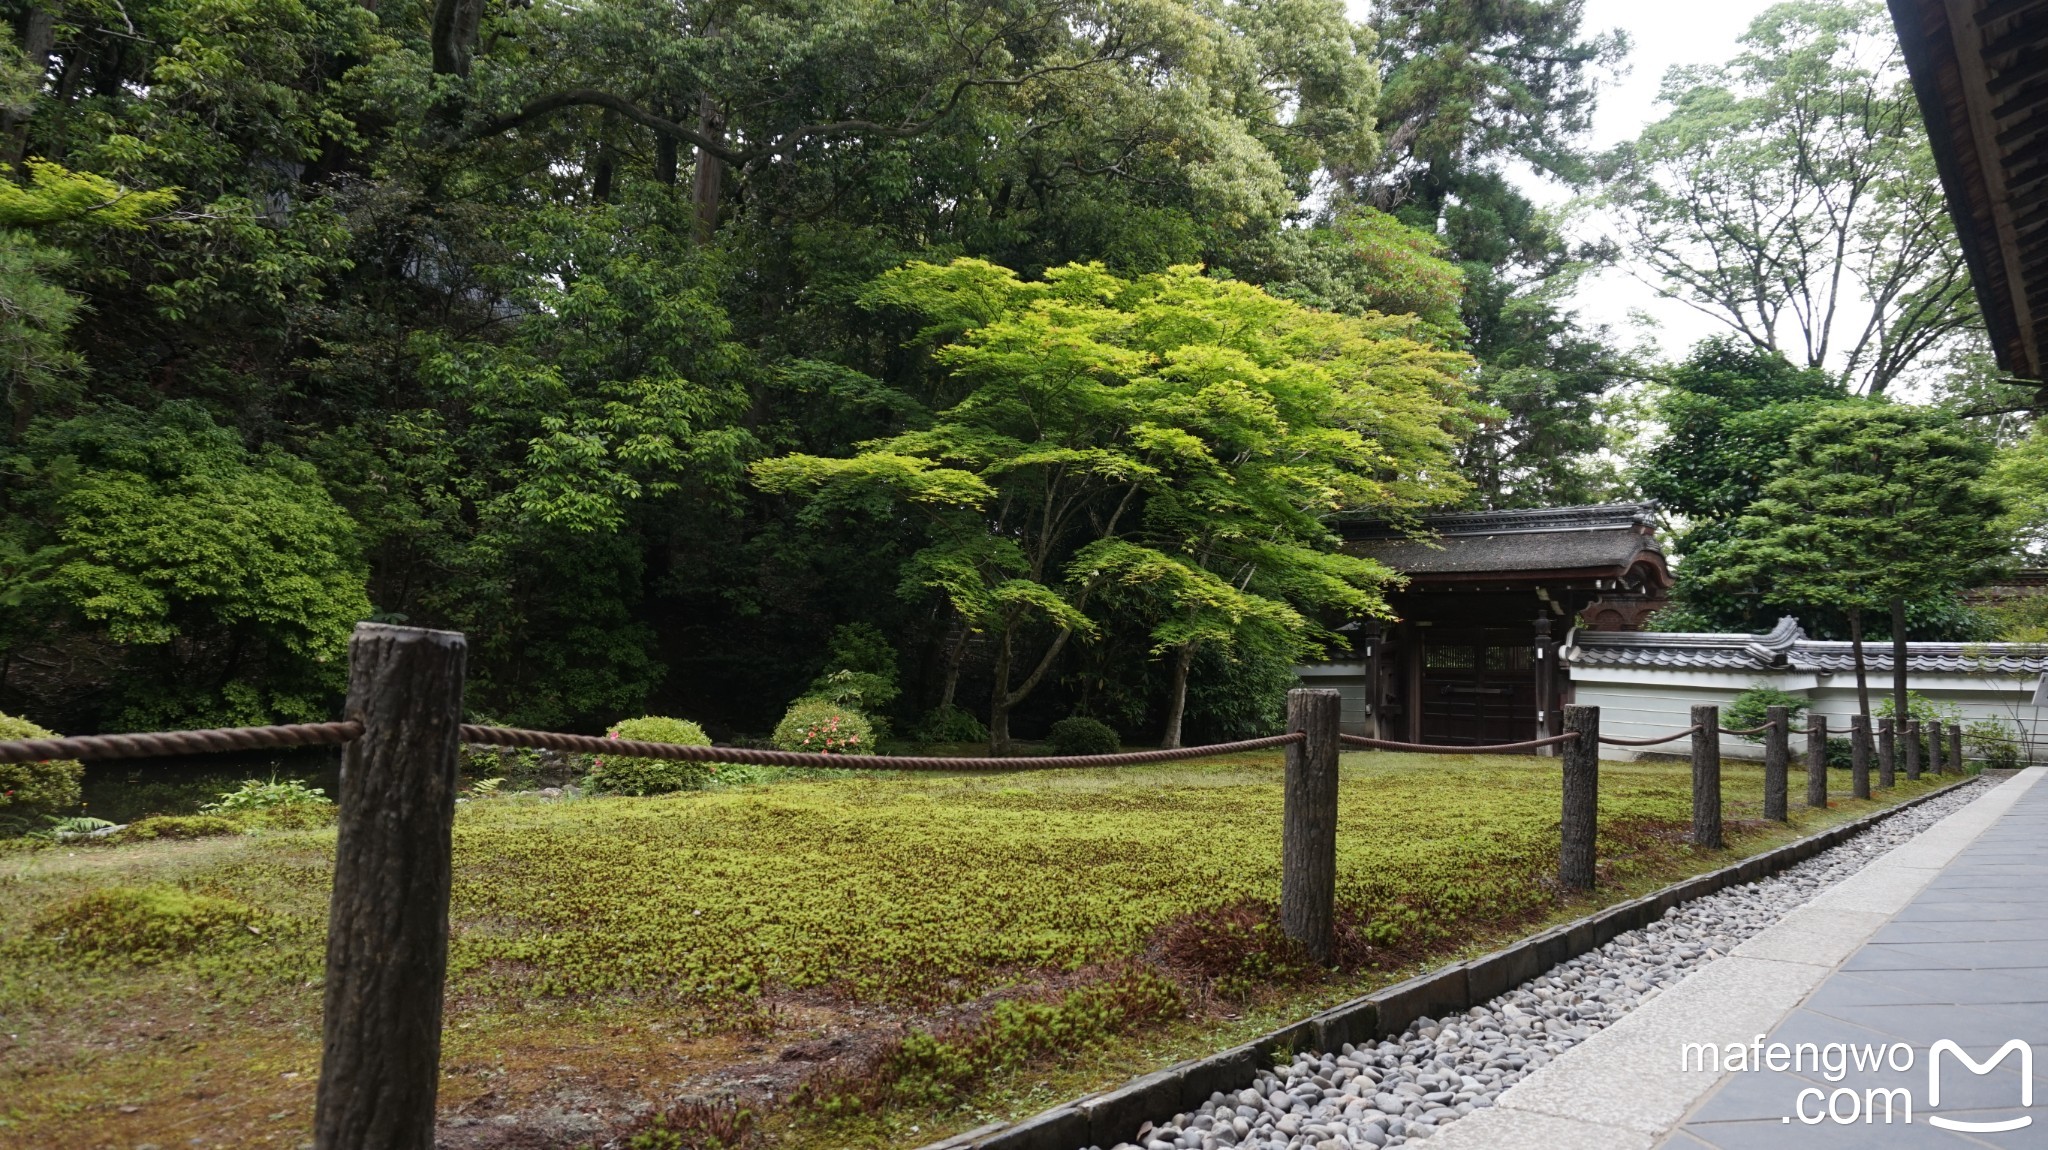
column 1746, row 710
column 257, row 795
column 142, row 925
column 29, row 792
column 178, row 827
column 1995, row 744
column 1841, row 754
column 1082, row 736
column 1922, row 708
column 822, row 727
column 860, row 669
column 626, row 775
column 950, row 724
column 696, row 1126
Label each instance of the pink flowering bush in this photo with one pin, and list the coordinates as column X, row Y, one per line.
column 628, row 775
column 821, row 726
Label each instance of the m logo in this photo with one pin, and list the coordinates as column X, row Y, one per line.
column 1985, row 1067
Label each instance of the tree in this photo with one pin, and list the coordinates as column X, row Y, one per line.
column 1873, row 504
column 1793, row 185
column 174, row 575
column 1171, row 440
column 1468, row 88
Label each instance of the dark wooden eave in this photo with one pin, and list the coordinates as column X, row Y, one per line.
column 1980, row 70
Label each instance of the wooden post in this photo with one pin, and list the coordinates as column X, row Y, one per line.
column 1955, row 747
column 1777, row 758
column 1308, row 846
column 1859, row 756
column 1816, row 760
column 1911, row 733
column 1706, row 777
column 1934, row 766
column 1580, row 822
column 1375, row 691
column 1887, row 755
column 387, row 927
column 1546, row 681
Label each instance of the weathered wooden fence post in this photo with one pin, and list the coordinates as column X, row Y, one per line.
column 1934, row 766
column 387, row 927
column 1887, row 755
column 1308, row 847
column 1911, row 731
column 1859, row 756
column 1955, row 747
column 1579, row 826
column 1706, row 777
column 1777, row 758
column 1816, row 760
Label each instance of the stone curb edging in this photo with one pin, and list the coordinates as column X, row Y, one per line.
column 1114, row 1115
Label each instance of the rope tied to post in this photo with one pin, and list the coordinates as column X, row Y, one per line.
column 1614, row 742
column 164, row 743
column 1491, row 749
column 750, row 756
column 1749, row 730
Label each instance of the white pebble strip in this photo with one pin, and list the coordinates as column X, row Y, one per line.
column 1441, row 1070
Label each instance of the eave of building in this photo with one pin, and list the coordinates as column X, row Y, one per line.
column 1980, row 73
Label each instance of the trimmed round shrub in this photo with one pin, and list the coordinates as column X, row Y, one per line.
column 29, row 791
column 950, row 724
column 140, row 924
column 626, row 775
column 821, row 726
column 1083, row 736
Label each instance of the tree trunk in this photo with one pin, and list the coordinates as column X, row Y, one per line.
column 665, row 159
column 999, row 698
column 953, row 660
column 705, row 184
column 1856, row 645
column 38, row 39
column 1177, row 696
column 1899, row 715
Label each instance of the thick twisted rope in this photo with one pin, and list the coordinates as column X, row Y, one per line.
column 1492, row 749
column 1748, row 730
column 633, row 748
column 1613, row 742
column 179, row 742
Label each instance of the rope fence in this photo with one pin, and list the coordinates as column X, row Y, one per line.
column 1619, row 742
column 1441, row 749
column 750, row 756
column 387, row 945
column 164, row 743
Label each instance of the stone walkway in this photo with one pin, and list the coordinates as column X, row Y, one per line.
column 1965, row 961
column 1945, row 937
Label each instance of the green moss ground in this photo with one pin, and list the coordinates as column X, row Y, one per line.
column 609, row 949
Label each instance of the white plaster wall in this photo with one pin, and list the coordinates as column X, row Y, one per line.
column 1639, row 702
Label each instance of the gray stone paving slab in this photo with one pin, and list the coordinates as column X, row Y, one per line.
column 1965, row 959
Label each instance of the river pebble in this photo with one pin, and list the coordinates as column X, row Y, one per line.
column 1439, row 1070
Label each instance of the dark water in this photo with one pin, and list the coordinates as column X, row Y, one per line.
column 130, row 789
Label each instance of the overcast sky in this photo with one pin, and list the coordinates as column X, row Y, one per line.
column 1662, row 34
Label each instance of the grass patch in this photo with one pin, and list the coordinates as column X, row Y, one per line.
column 901, row 955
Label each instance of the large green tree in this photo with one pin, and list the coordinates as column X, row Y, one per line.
column 1172, row 440
column 1790, row 194
column 1873, row 504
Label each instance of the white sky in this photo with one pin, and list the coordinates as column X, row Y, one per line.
column 1663, row 34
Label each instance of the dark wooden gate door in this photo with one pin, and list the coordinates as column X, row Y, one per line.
column 1477, row 688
